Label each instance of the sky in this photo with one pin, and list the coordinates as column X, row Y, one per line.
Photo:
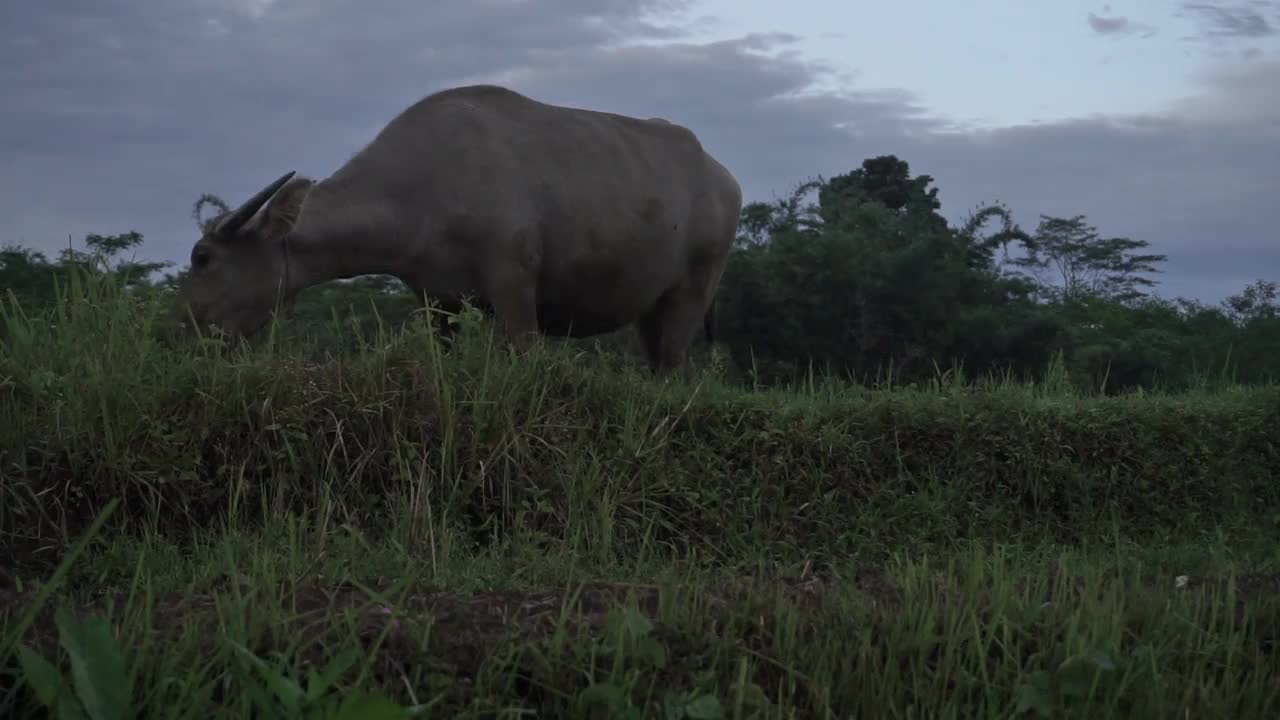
column 1158, row 121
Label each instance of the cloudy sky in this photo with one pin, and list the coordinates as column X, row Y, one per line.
column 1157, row 119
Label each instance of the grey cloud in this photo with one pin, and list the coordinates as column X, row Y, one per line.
column 149, row 107
column 1235, row 19
column 1108, row 26
column 214, row 57
column 1118, row 25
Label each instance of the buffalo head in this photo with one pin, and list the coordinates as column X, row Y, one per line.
column 240, row 264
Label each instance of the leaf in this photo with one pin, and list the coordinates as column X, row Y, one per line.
column 1034, row 695
column 97, row 666
column 637, row 624
column 601, row 693
column 42, row 676
column 1075, row 677
column 285, row 689
column 70, row 709
column 318, row 683
column 1102, row 660
column 753, row 696
column 259, row 697
column 370, row 707
column 704, row 707
column 651, row 652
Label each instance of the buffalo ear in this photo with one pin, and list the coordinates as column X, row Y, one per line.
column 282, row 211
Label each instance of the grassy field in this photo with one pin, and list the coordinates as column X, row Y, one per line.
column 413, row 530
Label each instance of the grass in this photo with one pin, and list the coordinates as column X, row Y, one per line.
column 405, row 529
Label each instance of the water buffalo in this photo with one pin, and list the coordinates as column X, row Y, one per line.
column 561, row 220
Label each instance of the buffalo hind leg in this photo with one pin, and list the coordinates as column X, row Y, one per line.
column 650, row 331
column 515, row 308
column 670, row 328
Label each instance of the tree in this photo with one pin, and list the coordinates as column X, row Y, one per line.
column 33, row 278
column 884, row 179
column 27, row 275
column 981, row 250
column 1257, row 301
column 1069, row 257
column 760, row 222
column 105, row 248
column 873, row 277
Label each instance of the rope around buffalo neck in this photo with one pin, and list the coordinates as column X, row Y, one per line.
column 282, row 291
